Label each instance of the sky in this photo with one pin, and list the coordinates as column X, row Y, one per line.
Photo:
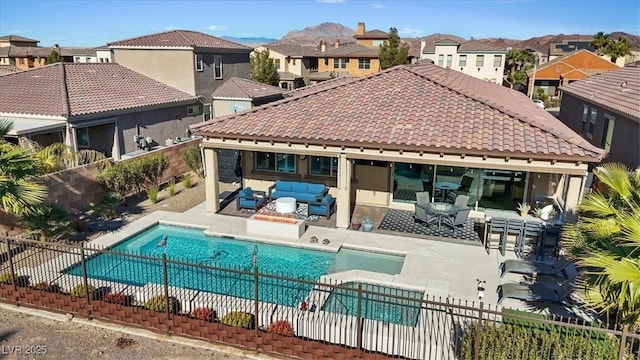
column 94, row 23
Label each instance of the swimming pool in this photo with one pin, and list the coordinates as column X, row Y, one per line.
column 382, row 306
column 192, row 246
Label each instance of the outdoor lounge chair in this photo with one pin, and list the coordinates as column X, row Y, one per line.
column 526, row 267
column 422, row 213
column 534, row 292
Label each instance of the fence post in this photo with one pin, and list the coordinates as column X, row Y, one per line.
column 476, row 350
column 14, row 281
column 166, row 284
column 84, row 274
column 255, row 294
column 359, row 319
column 623, row 341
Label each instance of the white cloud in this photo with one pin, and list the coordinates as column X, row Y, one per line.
column 408, row 32
column 329, row 1
column 377, row 5
column 216, row 27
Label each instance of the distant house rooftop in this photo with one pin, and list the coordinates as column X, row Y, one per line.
column 178, row 39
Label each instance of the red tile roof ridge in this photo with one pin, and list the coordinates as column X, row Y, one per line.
column 530, row 115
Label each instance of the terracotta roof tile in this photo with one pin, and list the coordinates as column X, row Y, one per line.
column 179, row 38
column 72, row 89
column 240, row 88
column 617, row 90
column 293, row 50
column 16, row 38
column 373, row 34
column 349, row 50
column 412, row 106
column 478, row 46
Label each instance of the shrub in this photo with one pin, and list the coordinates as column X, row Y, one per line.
column 159, row 304
column 171, row 188
column 193, row 158
column 202, row 313
column 49, row 222
column 6, row 278
column 80, row 291
column 45, row 286
column 114, row 298
column 152, row 193
column 281, row 327
column 239, row 319
column 187, row 181
column 108, row 205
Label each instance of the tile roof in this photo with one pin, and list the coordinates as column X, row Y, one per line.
column 479, row 46
column 239, row 88
column 73, row 51
column 179, row 38
column 328, row 75
column 287, row 75
column 412, row 106
column 72, row 89
column 320, row 86
column 580, row 59
column 6, row 69
column 349, row 50
column 617, row 90
column 17, row 38
column 292, row 50
column 373, row 34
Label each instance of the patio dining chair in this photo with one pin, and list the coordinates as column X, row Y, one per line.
column 531, row 237
column 422, row 212
column 497, row 225
column 549, row 243
column 458, row 220
column 462, row 201
column 515, row 227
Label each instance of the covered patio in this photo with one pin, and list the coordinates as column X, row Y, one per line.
column 378, row 140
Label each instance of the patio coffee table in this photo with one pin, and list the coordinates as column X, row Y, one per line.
column 442, row 209
column 286, row 205
column 447, row 189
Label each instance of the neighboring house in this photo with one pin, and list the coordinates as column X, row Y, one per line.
column 103, row 54
column 238, row 94
column 94, row 106
column 565, row 70
column 79, row 55
column 295, row 64
column 475, row 58
column 605, row 110
column 557, row 50
column 25, row 53
column 6, row 69
column 377, row 140
column 353, row 59
column 191, row 61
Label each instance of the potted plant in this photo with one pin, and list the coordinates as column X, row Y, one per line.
column 367, row 223
column 537, row 212
column 355, row 222
column 524, row 208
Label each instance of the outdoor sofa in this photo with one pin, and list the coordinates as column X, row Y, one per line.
column 301, row 191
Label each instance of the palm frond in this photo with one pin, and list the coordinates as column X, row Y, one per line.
column 616, row 177
column 5, row 126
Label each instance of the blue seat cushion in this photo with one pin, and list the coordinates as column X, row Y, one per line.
column 283, row 186
column 248, row 192
column 327, row 199
column 306, row 197
column 315, row 188
column 299, row 187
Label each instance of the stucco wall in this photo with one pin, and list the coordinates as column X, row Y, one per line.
column 233, row 65
column 75, row 188
column 486, row 72
column 225, row 107
column 352, row 66
column 173, row 67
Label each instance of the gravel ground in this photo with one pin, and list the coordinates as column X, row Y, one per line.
column 51, row 336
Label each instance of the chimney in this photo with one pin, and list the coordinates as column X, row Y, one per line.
column 323, row 46
column 337, row 43
column 360, row 29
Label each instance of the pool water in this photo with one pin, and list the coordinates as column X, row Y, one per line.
column 192, row 246
column 382, row 306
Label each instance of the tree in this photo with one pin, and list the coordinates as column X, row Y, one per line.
column 19, row 191
column 599, row 42
column 616, row 49
column 605, row 244
column 263, row 69
column 49, row 222
column 518, row 61
column 54, row 57
column 392, row 52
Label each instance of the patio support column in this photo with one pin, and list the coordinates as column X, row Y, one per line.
column 210, row 158
column 115, row 150
column 343, row 201
column 574, row 190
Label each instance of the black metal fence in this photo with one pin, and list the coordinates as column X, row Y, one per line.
column 374, row 318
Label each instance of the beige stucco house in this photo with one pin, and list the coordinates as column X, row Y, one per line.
column 475, row 58
column 379, row 139
column 294, row 63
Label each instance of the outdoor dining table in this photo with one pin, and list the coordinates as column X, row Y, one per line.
column 442, row 209
column 446, row 188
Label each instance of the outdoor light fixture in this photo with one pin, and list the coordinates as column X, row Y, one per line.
column 481, row 284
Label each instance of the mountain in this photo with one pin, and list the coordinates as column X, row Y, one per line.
column 249, row 41
column 541, row 43
column 311, row 36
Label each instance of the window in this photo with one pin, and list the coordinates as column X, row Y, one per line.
column 284, row 85
column 313, row 64
column 276, row 162
column 463, row 60
column 364, row 63
column 217, row 66
column 82, row 137
column 585, row 112
column 377, row 43
column 277, row 63
column 449, row 60
column 440, row 60
column 199, row 64
column 497, row 61
column 88, row 59
column 101, row 60
column 592, row 122
column 340, row 63
column 607, row 135
column 325, row 166
column 479, row 60
column 77, row 59
column 206, row 112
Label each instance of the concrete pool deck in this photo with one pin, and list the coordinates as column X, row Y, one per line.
column 439, row 268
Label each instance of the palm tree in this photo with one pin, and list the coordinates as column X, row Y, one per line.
column 19, row 193
column 616, row 49
column 599, row 42
column 605, row 244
